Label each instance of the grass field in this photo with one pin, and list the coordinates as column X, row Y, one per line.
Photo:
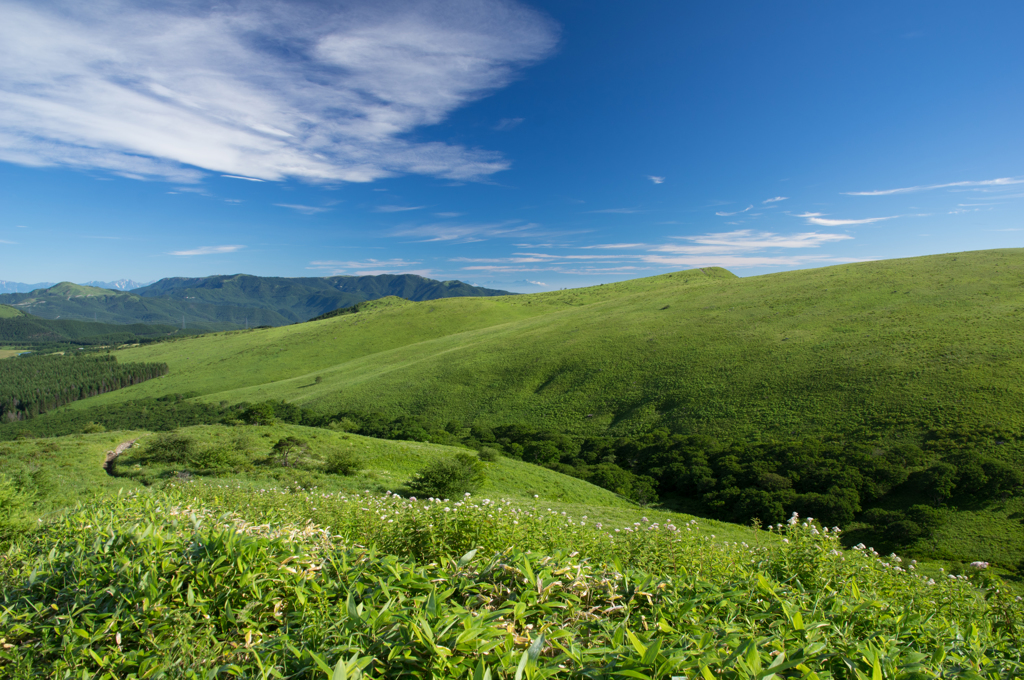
column 6, row 353
column 889, row 348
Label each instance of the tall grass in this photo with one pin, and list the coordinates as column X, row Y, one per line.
column 170, row 585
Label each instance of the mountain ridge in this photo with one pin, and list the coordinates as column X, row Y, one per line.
column 229, row 302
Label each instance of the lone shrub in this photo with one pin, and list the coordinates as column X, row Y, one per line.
column 449, row 477
column 92, row 427
column 259, row 414
column 285, row 449
column 489, row 454
column 342, row 462
column 170, row 448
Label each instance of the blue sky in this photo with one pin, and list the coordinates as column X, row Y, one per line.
column 519, row 145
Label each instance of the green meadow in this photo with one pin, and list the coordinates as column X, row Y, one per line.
column 888, row 349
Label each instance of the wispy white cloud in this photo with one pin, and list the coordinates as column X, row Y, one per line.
column 738, row 212
column 745, row 260
column 776, row 199
column 258, row 90
column 535, row 283
column 821, row 221
column 448, row 214
column 745, row 240
column 9, row 243
column 248, row 179
column 508, row 123
column 1002, row 181
column 622, row 211
column 656, row 179
column 208, row 250
column 465, row 233
column 304, row 209
column 369, row 267
column 614, row 246
column 397, row 208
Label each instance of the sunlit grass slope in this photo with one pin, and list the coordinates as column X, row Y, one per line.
column 59, row 472
column 8, row 312
column 894, row 345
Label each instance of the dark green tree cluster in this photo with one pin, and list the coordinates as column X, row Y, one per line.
column 36, row 384
column 154, row 414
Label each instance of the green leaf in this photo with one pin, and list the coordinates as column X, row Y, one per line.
column 353, row 613
column 340, row 670
column 640, row 647
column 522, row 665
column 481, row 672
column 535, row 648
column 467, row 558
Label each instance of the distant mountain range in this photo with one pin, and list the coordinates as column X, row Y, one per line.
column 228, row 302
column 120, row 284
column 15, row 287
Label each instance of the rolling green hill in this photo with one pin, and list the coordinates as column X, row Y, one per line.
column 893, row 346
column 7, row 312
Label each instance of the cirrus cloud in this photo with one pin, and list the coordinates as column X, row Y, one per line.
column 208, row 250
column 255, row 89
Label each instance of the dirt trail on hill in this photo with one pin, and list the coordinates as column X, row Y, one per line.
column 108, row 463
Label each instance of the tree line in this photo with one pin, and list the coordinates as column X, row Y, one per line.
column 890, row 495
column 30, row 385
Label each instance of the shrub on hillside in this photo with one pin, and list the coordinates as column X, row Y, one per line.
column 342, row 462
column 449, row 477
column 285, row 450
column 489, row 454
column 259, row 414
column 172, row 447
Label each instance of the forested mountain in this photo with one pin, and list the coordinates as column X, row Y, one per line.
column 69, row 301
column 24, row 330
column 299, row 299
column 230, row 302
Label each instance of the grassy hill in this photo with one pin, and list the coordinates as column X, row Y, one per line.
column 7, row 312
column 892, row 347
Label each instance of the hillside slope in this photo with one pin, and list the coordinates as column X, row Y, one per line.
column 900, row 345
column 8, row 312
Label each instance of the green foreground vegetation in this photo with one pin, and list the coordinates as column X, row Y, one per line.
column 201, row 582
